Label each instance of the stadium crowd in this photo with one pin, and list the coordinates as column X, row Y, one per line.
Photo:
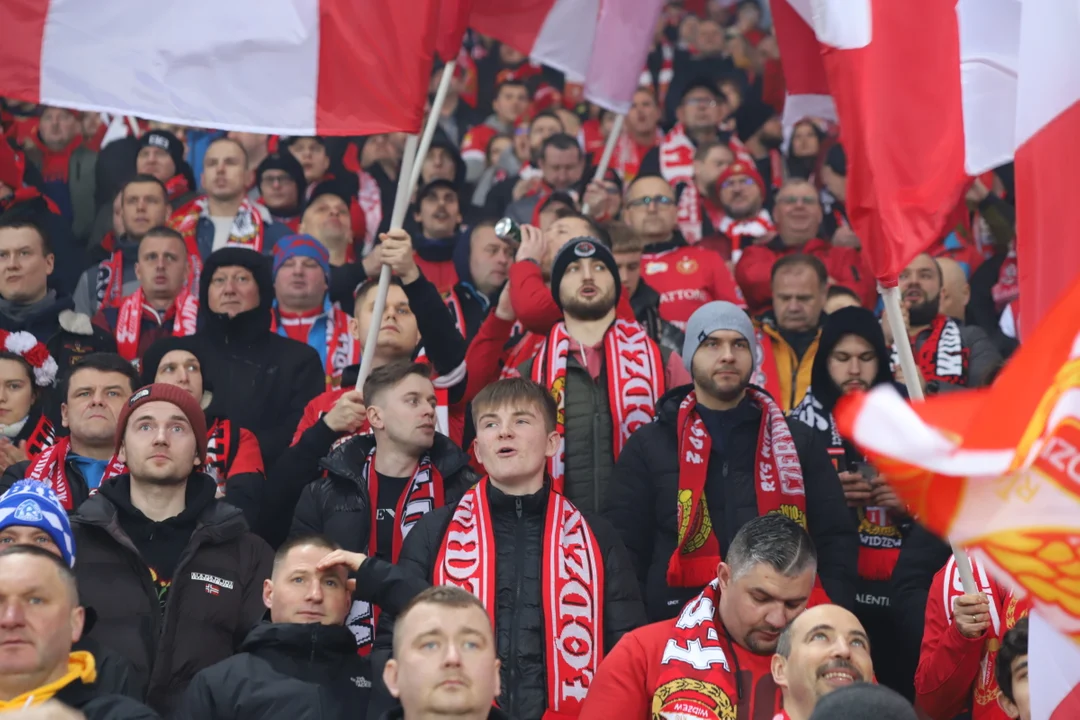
column 594, row 471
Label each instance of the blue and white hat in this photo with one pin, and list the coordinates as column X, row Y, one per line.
column 30, row 503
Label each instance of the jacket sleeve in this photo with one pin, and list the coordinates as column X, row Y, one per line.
column 120, row 706
column 948, row 661
column 245, row 486
column 531, row 298
column 443, row 343
column 829, row 521
column 198, row 699
column 624, row 610
column 754, row 275
column 620, row 689
column 252, row 609
column 486, row 355
column 308, row 518
column 983, row 359
column 848, row 269
column 630, row 504
column 387, row 585
column 307, row 383
column 13, row 474
column 295, row 468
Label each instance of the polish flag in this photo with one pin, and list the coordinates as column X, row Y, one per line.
column 602, row 44
column 328, row 67
column 1053, row 672
column 800, row 56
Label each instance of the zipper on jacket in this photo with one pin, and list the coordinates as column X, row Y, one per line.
column 519, row 564
column 312, row 659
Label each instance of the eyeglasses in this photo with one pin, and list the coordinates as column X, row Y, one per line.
column 701, row 102
column 797, row 200
column 276, row 179
column 736, row 182
column 661, row 200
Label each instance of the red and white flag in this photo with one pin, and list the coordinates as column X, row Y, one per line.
column 329, row 67
column 800, row 56
column 600, row 43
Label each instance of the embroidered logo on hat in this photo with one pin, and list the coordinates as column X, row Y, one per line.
column 584, row 249
column 139, row 396
column 158, row 140
column 28, row 511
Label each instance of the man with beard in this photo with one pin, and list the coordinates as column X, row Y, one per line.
column 699, row 216
column 174, row 574
column 947, row 353
column 438, row 214
column 852, row 357
column 605, row 373
column 823, row 649
column 720, row 454
column 714, row 660
column 741, row 191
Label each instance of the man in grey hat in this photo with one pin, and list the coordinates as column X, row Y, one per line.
column 606, row 374
column 719, row 454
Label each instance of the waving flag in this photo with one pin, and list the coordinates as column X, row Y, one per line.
column 997, row 471
column 330, row 67
column 601, row 43
column 800, row 55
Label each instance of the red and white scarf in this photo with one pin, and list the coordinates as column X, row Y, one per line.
column 744, row 232
column 677, row 157
column 342, row 349
column 635, row 380
column 50, row 467
column 248, row 228
column 184, row 313
column 453, row 304
column 778, row 482
column 942, row 357
column 572, row 576
column 689, row 217
column 109, row 286
column 369, row 197
column 664, row 75
column 627, row 156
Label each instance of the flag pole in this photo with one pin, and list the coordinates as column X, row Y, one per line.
column 432, row 123
column 605, row 159
column 912, row 378
column 397, row 217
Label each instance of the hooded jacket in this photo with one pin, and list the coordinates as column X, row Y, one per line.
column 263, row 380
column 284, row 671
column 215, row 594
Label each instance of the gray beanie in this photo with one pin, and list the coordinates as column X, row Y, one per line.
column 710, row 317
column 863, row 701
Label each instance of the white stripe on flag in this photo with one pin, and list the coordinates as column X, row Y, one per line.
column 1053, row 666
column 565, row 41
column 1049, row 64
column 624, row 35
column 239, row 57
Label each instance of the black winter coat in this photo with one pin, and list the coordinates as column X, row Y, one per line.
column 518, row 529
column 96, row 703
column 284, row 671
column 215, row 597
column 642, row 505
column 262, row 381
column 338, row 505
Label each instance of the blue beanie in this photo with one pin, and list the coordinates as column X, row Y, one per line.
column 301, row 246
column 29, row 503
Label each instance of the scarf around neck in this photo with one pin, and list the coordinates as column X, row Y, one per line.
column 21, row 312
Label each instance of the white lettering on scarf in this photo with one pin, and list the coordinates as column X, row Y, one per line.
column 950, row 358
column 462, row 547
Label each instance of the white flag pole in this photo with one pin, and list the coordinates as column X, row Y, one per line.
column 397, row 217
column 432, row 123
column 913, row 379
column 605, row 159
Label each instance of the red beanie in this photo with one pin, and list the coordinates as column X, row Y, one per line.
column 160, row 392
column 741, row 168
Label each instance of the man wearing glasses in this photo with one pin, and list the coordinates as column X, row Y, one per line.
column 741, row 192
column 699, row 114
column 686, row 276
column 798, row 217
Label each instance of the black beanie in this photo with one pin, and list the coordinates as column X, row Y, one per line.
column 286, row 162
column 577, row 249
column 168, row 142
column 863, row 701
column 751, row 117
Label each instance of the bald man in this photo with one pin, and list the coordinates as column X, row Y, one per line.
column 955, row 291
column 823, row 649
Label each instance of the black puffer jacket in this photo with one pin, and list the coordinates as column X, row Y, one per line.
column 284, row 671
column 338, row 505
column 642, row 506
column 96, row 703
column 518, row 528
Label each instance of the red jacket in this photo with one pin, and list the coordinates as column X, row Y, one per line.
column 687, row 277
column 845, row 266
column 533, row 305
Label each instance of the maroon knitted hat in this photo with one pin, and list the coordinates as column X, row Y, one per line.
column 160, row 392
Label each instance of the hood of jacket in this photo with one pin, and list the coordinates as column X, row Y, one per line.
column 347, row 459
column 846, row 321
column 308, row 641
column 249, row 324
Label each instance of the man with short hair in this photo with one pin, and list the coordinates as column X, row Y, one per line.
column 685, row 276
column 144, row 205
column 798, row 215
column 742, row 195
column 438, row 215
column 161, row 155
column 162, row 305
column 506, row 541
column 719, row 454
column 330, row 216
column 43, row 618
column 66, row 166
column 27, row 303
column 955, row 290
column 788, row 334
column 714, row 658
column 606, row 374
column 376, row 487
column 562, row 166
column 302, row 307
column 948, row 353
column 174, row 574
column 510, row 103
column 280, row 180
column 462, row 677
column 94, row 392
column 640, row 135
column 310, row 152
column 520, row 163
column 823, row 649
column 303, row 662
column 482, row 272
column 701, row 108
column 224, row 216
column 627, row 247
column 698, row 215
column 1011, row 670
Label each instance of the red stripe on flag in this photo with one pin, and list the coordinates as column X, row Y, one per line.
column 22, row 28
column 515, row 23
column 901, row 124
column 800, row 56
column 453, row 19
column 374, row 65
column 1069, row 708
column 1047, row 242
